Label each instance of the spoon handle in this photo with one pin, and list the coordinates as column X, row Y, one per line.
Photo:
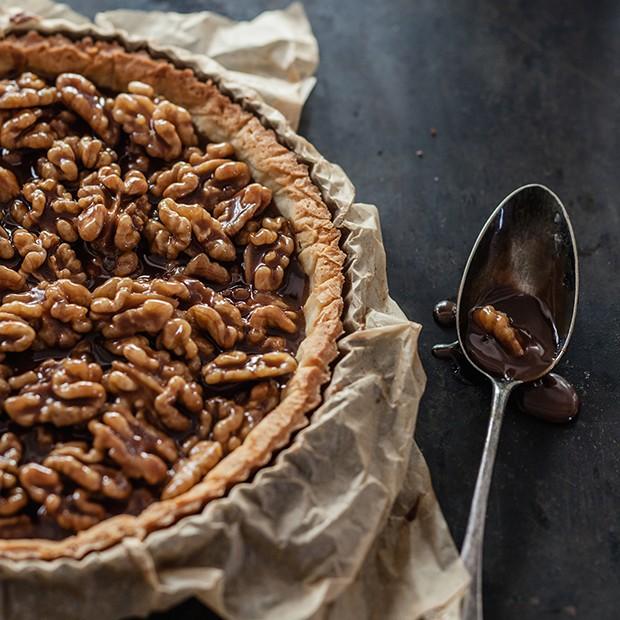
column 471, row 552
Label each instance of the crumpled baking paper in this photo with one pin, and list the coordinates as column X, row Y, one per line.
column 344, row 525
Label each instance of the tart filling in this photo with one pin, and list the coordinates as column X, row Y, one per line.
column 188, row 323
column 151, row 303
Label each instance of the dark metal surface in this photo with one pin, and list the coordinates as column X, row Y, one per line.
column 519, row 91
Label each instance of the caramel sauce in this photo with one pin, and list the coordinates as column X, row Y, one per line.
column 551, row 398
column 536, row 332
column 444, row 313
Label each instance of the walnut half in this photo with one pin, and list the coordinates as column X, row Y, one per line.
column 267, row 253
column 160, row 126
column 140, row 449
column 64, row 393
column 27, row 91
column 498, row 325
column 201, row 459
column 238, row 366
column 82, row 97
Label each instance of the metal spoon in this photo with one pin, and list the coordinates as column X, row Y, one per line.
column 529, row 244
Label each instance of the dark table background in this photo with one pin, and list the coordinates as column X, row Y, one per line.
column 519, row 91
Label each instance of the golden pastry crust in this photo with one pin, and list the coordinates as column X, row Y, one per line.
column 111, row 66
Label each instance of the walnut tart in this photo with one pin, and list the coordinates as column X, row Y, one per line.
column 170, row 294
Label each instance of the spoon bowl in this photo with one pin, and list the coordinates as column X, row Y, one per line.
column 526, row 245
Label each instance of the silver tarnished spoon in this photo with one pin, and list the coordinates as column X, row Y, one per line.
column 527, row 245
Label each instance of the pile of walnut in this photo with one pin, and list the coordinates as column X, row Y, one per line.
column 144, row 269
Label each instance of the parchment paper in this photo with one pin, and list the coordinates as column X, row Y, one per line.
column 345, row 523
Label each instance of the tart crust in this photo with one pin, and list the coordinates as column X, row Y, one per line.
column 111, row 66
